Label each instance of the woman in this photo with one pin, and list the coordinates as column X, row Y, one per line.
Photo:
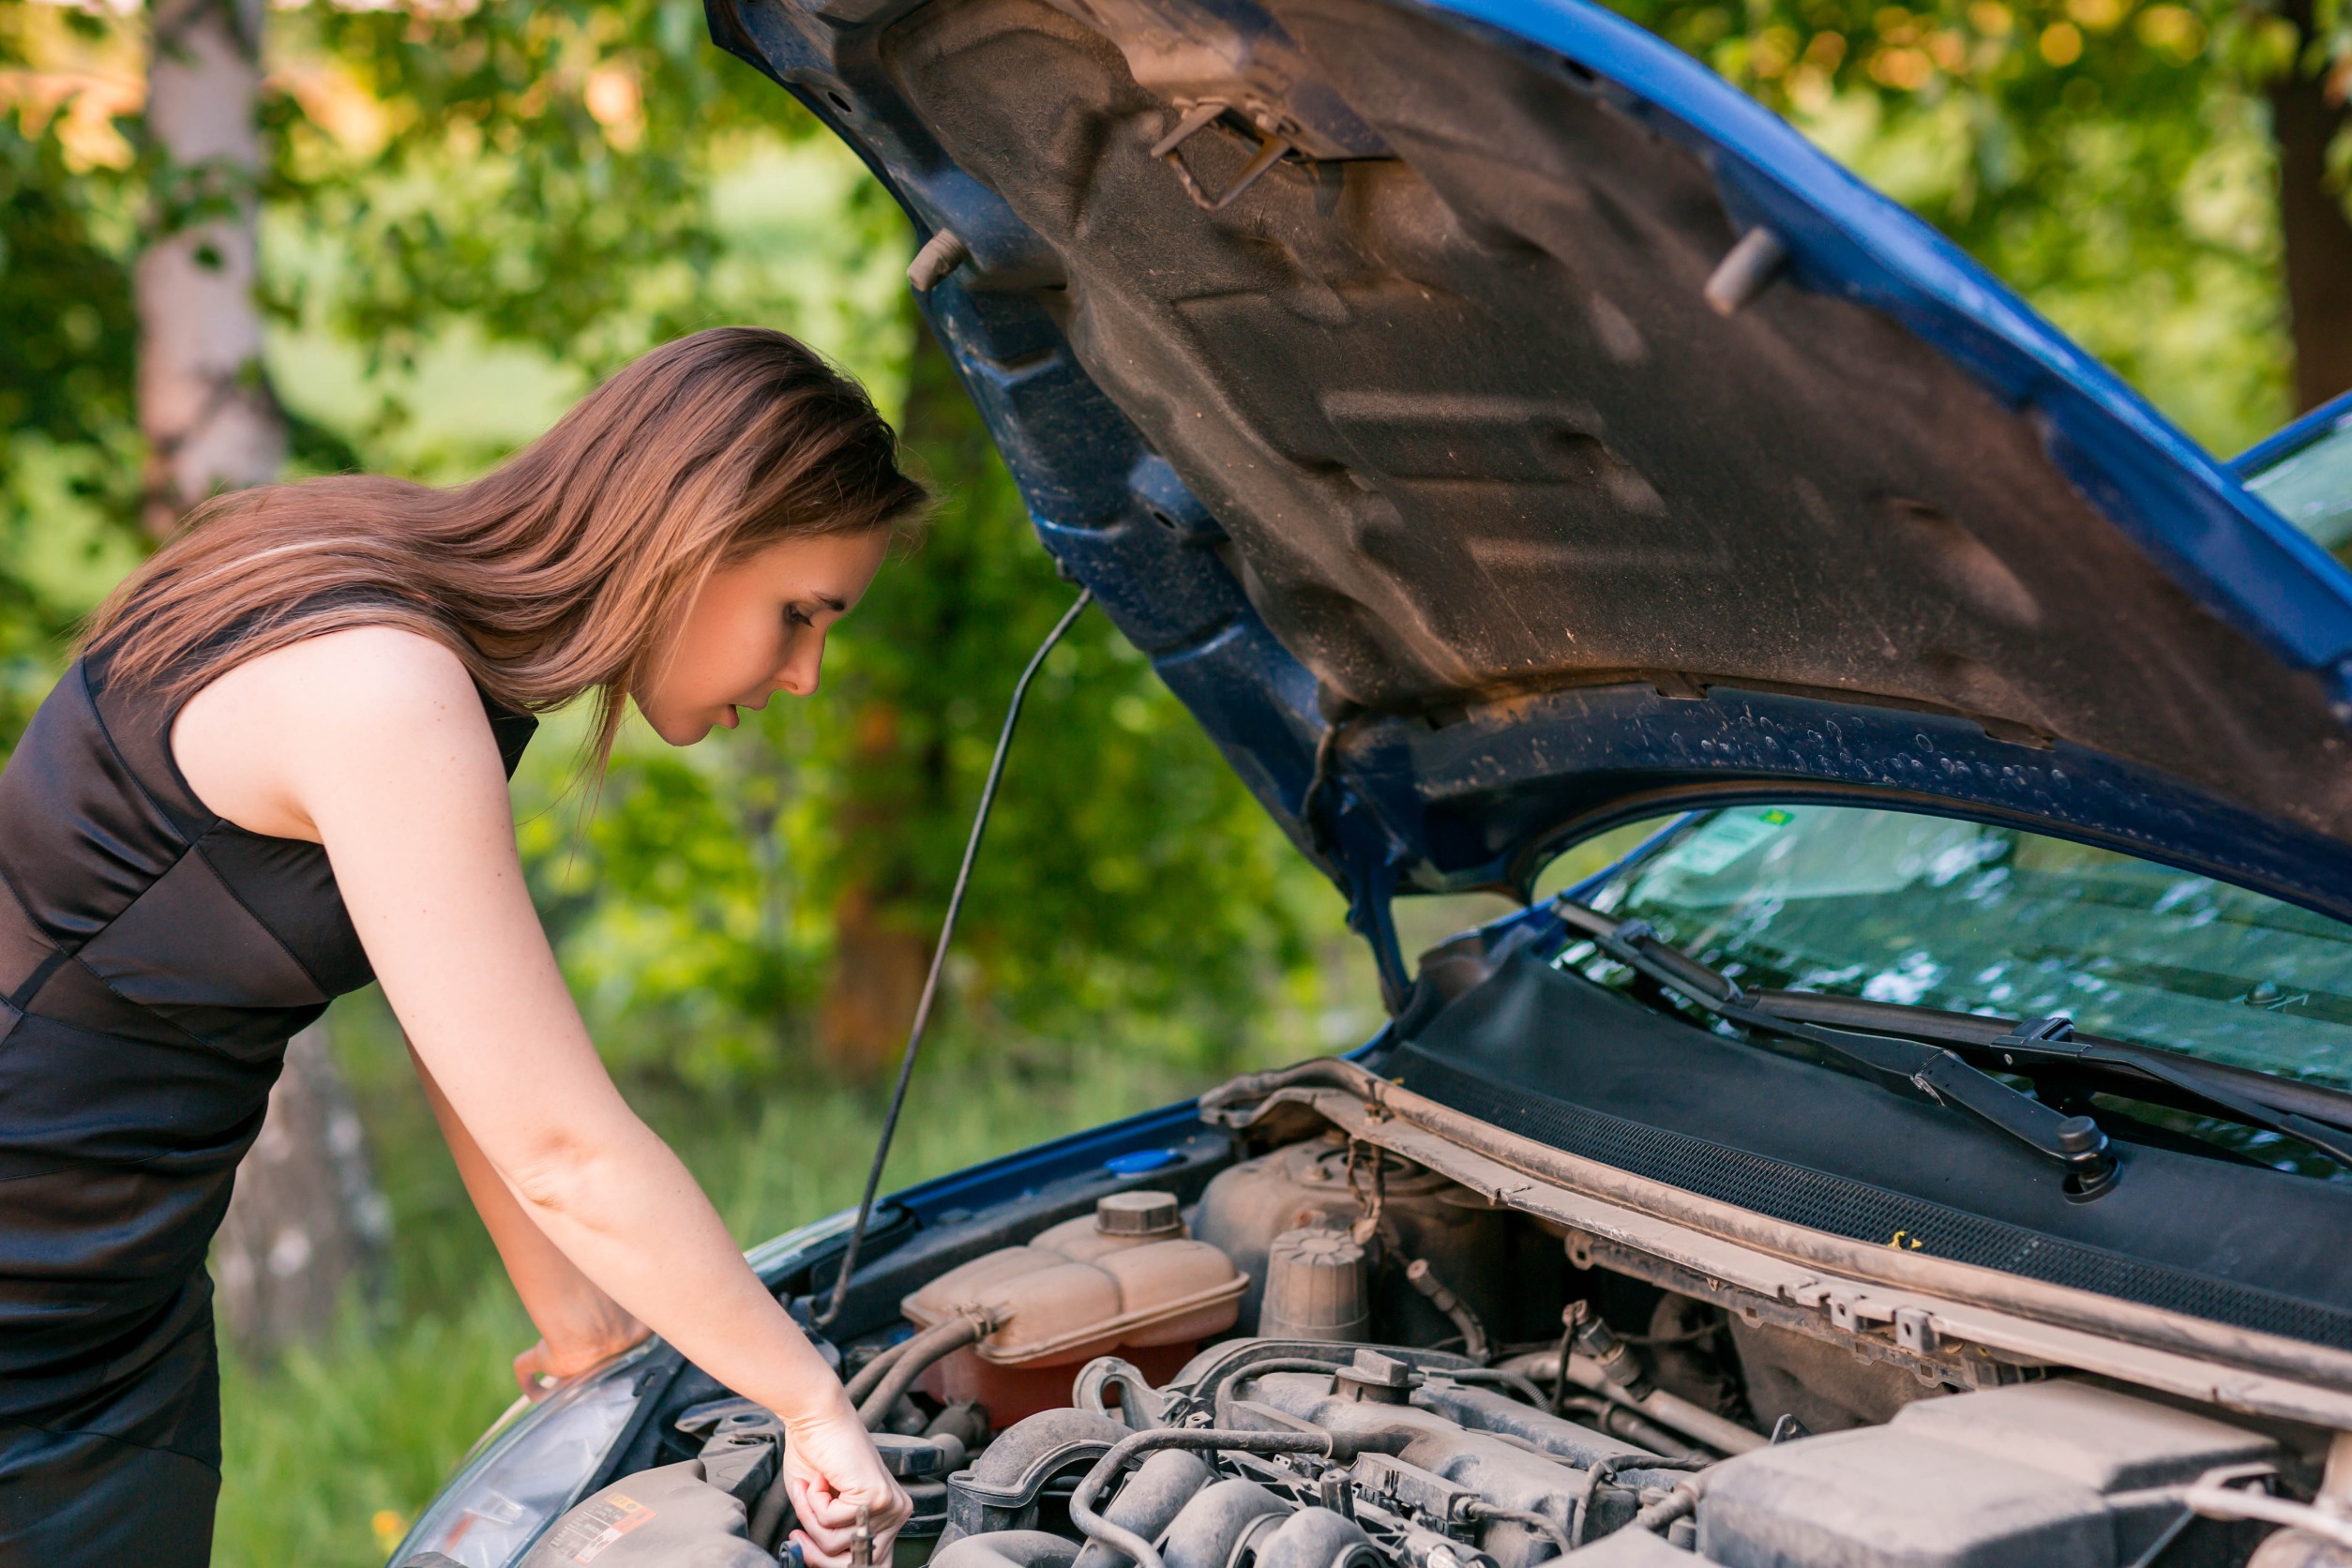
column 280, row 765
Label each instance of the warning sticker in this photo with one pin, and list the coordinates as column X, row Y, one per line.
column 588, row 1530
column 1725, row 839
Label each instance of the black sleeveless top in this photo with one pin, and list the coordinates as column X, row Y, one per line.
column 154, row 959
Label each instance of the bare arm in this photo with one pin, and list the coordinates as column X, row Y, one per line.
column 373, row 743
column 578, row 1324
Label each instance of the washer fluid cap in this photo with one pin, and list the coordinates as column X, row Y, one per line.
column 1138, row 1214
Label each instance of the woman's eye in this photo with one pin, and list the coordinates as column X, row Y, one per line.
column 796, row 616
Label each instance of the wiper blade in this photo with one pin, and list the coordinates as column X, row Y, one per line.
column 2076, row 1143
column 2053, row 1041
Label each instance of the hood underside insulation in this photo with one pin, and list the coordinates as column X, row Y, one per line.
column 1472, row 431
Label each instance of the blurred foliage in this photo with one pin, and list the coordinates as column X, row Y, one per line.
column 1127, row 872
column 68, row 445
column 538, row 172
column 2108, row 159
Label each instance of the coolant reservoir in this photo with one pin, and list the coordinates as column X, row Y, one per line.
column 1125, row 1280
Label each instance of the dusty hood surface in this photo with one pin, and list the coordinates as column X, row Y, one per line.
column 1432, row 434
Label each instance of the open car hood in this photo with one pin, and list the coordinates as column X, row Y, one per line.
column 1553, row 435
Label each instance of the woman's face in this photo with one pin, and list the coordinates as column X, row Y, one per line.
column 757, row 628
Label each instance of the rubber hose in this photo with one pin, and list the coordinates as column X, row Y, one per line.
column 1672, row 1409
column 1669, row 1411
column 1681, row 1503
column 932, row 1345
column 1511, row 1380
column 1209, row 1393
column 1424, row 1280
column 862, row 1381
column 1624, row 1421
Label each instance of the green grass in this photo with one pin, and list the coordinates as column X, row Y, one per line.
column 331, row 1452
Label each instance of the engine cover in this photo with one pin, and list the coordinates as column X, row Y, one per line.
column 2058, row 1472
column 670, row 1518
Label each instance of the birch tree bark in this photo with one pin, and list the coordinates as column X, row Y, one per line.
column 205, row 405
column 305, row 1222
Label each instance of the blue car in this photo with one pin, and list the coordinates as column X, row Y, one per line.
column 1931, row 1145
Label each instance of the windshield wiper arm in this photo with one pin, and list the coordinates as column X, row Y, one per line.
column 2053, row 1042
column 2076, row 1143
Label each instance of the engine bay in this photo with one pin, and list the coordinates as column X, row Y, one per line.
column 1310, row 1352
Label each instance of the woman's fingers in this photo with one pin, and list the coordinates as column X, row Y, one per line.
column 828, row 1514
column 533, row 1375
column 818, row 1506
column 836, row 1547
column 814, row 1553
column 829, row 1528
column 841, row 1491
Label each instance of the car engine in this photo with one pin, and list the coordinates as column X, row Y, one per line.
column 1326, row 1356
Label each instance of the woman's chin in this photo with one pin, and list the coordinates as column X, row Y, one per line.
column 675, row 731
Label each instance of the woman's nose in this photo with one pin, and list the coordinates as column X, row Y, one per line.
column 802, row 670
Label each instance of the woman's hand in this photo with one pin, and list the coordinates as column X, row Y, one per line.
column 550, row 1363
column 830, row 1470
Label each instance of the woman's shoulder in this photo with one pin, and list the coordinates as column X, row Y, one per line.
column 385, row 669
column 342, row 713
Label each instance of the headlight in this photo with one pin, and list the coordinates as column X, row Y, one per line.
column 521, row 1477
column 526, row 1471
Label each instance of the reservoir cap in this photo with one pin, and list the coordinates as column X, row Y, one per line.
column 1138, row 1214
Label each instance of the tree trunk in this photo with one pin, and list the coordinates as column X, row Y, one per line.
column 306, row 1220
column 205, row 405
column 2306, row 117
column 877, row 982
column 885, row 918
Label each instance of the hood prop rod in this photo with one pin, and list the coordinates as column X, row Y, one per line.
column 939, row 954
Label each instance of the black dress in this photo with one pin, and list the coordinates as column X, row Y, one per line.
column 154, row 959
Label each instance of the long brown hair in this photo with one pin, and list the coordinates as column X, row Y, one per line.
column 559, row 571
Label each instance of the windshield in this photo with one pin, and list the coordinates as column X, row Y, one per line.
column 1927, row 911
column 2312, row 488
